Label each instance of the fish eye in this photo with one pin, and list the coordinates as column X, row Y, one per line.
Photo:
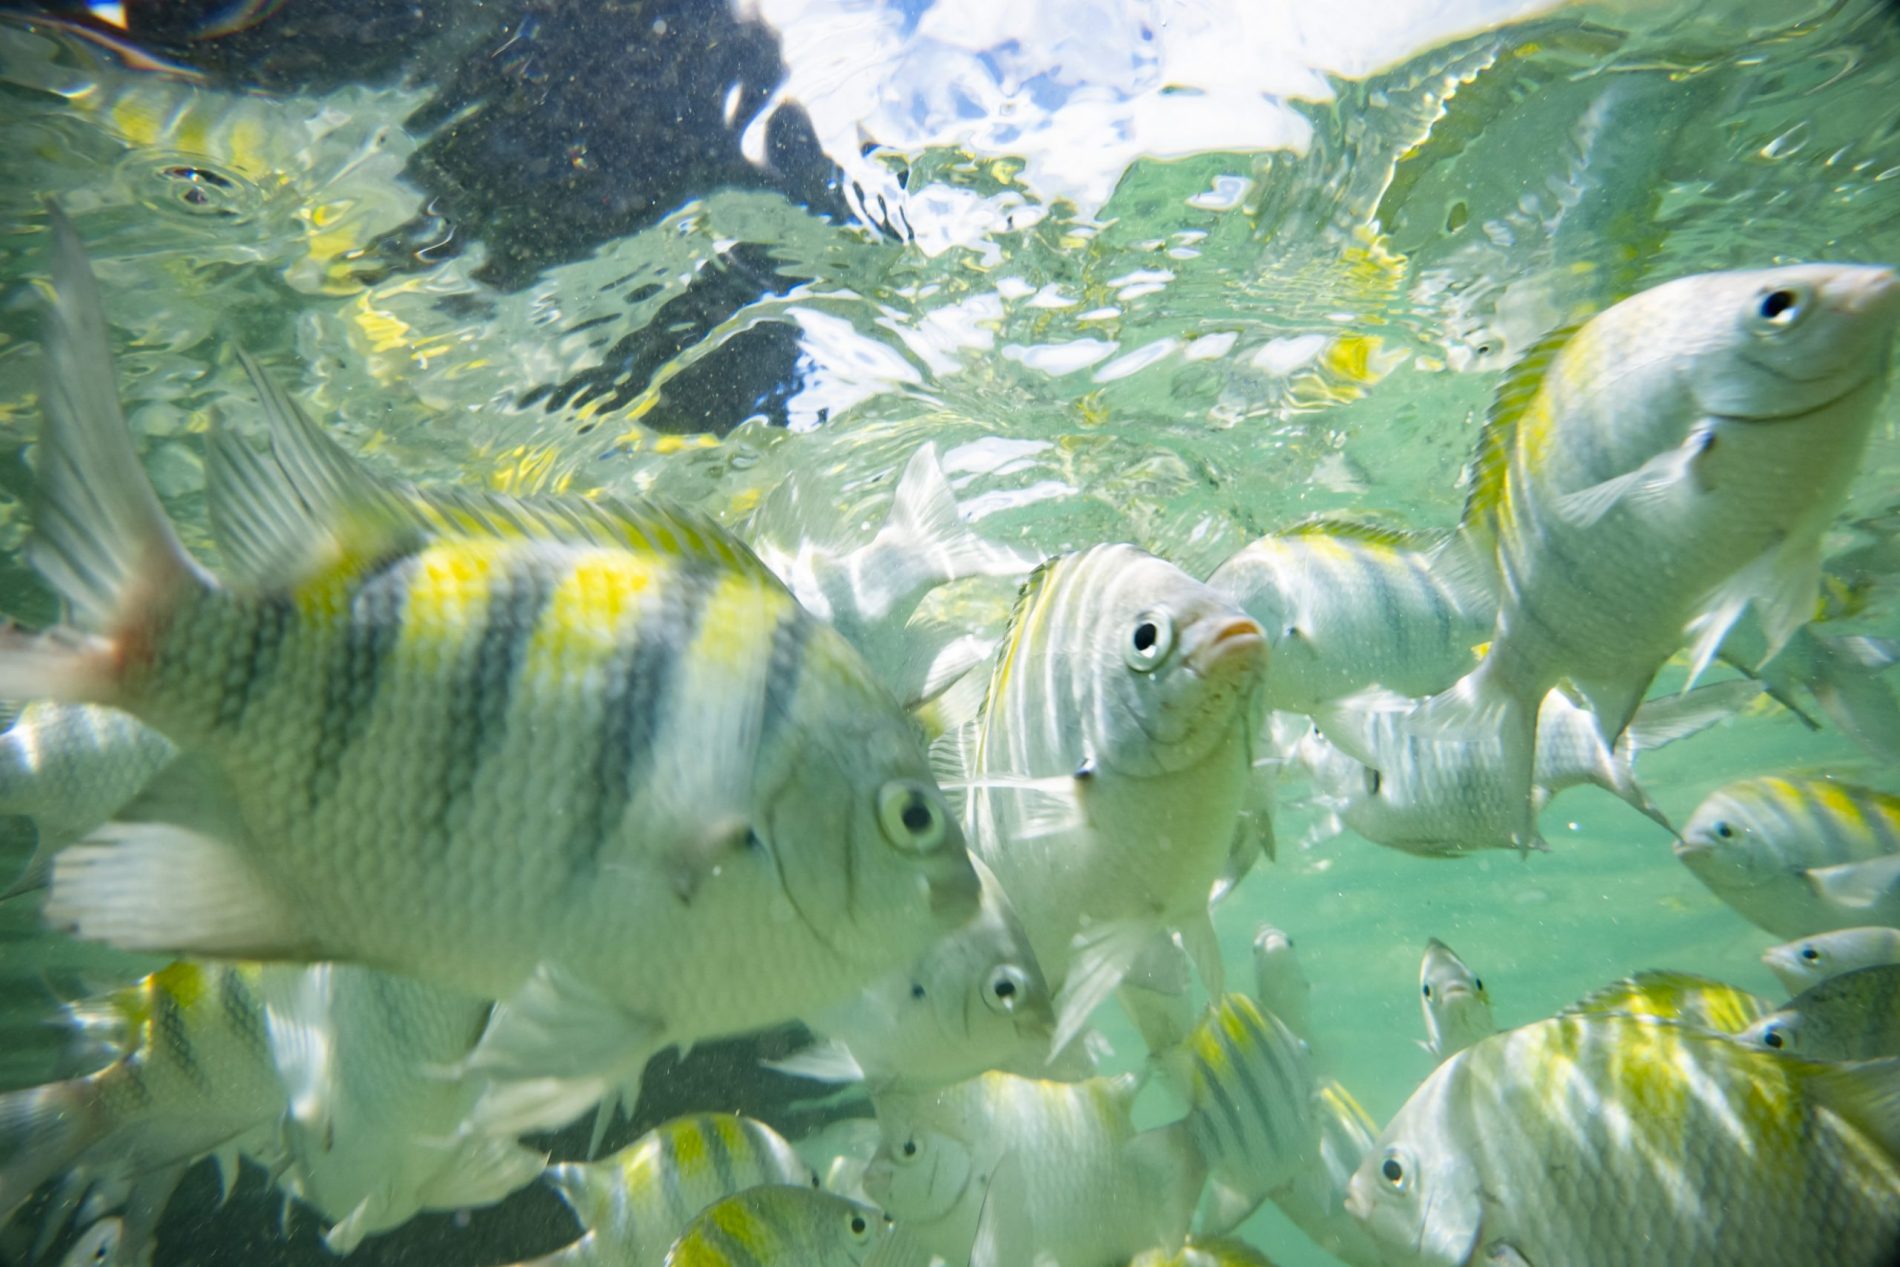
column 1395, row 1172
column 1004, row 988
column 1374, row 781
column 1772, row 1037
column 1153, row 638
column 912, row 820
column 860, row 1226
column 910, row 1148
column 1477, row 983
column 1810, row 954
column 1428, row 989
column 916, row 990
column 1780, row 307
column 1723, row 830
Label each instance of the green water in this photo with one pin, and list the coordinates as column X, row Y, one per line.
column 1228, row 342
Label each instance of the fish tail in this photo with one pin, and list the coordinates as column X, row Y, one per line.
column 43, row 1131
column 100, row 537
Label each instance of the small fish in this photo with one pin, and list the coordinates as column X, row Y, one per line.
column 98, row 1246
column 975, row 1001
column 1853, row 1016
column 1798, row 856
column 376, row 1130
column 1681, row 1124
column 399, row 689
column 635, row 1204
column 1347, row 606
column 1280, row 984
column 1250, row 1091
column 1681, row 997
column 1457, row 1009
column 1806, row 963
column 71, row 767
column 196, row 1081
column 779, row 1225
column 1062, row 1161
column 1105, row 763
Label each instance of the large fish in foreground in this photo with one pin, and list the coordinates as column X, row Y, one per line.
column 589, row 759
column 1593, row 1139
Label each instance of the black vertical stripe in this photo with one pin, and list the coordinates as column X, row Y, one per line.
column 353, row 671
column 794, row 630
column 475, row 723
column 263, row 626
column 640, row 682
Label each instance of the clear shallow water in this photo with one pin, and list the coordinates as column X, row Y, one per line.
column 1148, row 274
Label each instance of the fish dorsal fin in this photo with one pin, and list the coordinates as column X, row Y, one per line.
column 1491, row 465
column 1366, row 531
column 301, row 503
column 282, row 513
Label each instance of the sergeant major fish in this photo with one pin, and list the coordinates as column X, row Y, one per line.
column 779, row 1225
column 1694, row 1148
column 634, row 1205
column 1853, row 1016
column 1798, row 856
column 1104, row 768
column 1453, row 999
column 1812, row 960
column 589, row 759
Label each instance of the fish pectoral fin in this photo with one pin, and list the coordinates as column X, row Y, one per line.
column 1859, row 885
column 480, row 1170
column 1101, row 956
column 554, row 1048
column 1004, row 1230
column 1224, row 1207
column 827, row 1061
column 169, row 889
column 1660, row 476
column 1203, row 947
column 699, row 854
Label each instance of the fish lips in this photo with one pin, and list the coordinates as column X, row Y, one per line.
column 1236, row 645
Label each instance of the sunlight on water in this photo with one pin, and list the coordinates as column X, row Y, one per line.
column 1142, row 272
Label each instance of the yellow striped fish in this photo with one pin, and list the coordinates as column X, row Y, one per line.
column 1854, row 1016
column 588, row 759
column 196, row 1080
column 781, row 1226
column 1106, row 766
column 1593, row 1139
column 1681, row 997
column 1648, row 476
column 1315, row 1200
column 636, row 1203
column 1250, row 1090
column 1798, row 855
column 1347, row 605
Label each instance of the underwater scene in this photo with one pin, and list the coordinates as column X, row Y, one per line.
column 780, row 633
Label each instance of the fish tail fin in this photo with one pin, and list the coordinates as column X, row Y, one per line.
column 100, row 536
column 1846, row 684
column 43, row 1131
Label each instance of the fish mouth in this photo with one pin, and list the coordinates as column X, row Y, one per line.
column 1237, row 641
column 1686, row 848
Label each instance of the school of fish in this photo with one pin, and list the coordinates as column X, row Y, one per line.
column 451, row 811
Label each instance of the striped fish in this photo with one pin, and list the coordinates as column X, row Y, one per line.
column 1250, row 1090
column 1679, row 997
column 1346, row 606
column 1591, row 1139
column 1078, row 1181
column 1315, row 1200
column 588, row 759
column 636, row 1203
column 1853, row 1016
column 196, row 1080
column 1798, row 856
column 71, row 767
column 1803, row 964
column 1106, row 765
column 780, row 1226
column 1647, row 476
column 1452, row 997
